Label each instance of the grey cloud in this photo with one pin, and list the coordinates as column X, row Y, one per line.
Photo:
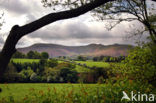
column 70, row 30
column 73, row 31
column 1, row 41
column 17, row 7
column 30, row 17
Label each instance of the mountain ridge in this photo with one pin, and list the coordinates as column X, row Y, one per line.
column 93, row 49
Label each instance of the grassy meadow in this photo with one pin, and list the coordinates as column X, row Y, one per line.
column 58, row 93
column 93, row 63
column 24, row 60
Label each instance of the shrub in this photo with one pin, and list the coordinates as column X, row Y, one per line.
column 140, row 64
column 68, row 75
column 34, row 77
column 52, row 63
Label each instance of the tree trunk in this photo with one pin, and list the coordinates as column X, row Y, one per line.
column 8, row 49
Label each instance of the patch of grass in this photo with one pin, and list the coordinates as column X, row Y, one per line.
column 25, row 60
column 81, row 69
column 92, row 63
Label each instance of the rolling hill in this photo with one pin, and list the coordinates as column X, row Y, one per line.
column 55, row 50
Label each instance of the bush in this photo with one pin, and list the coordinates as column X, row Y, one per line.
column 25, row 74
column 33, row 77
column 44, row 55
column 140, row 64
column 52, row 63
column 69, row 75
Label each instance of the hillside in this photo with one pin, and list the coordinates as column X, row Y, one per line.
column 55, row 50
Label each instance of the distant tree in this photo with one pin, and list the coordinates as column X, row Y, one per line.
column 95, row 58
column 51, row 74
column 52, row 63
column 18, row 54
column 42, row 65
column 112, row 59
column 106, row 59
column 99, row 72
column 68, row 75
column 37, row 55
column 44, row 55
column 43, row 62
column 30, row 55
column 81, row 58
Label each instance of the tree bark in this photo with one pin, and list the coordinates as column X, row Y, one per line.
column 17, row 32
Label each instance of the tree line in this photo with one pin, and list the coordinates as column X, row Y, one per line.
column 101, row 58
column 31, row 55
column 50, row 71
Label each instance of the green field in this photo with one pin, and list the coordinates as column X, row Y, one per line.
column 92, row 63
column 57, row 92
column 24, row 60
column 88, row 63
column 81, row 69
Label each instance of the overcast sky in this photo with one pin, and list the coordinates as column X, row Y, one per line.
column 81, row 30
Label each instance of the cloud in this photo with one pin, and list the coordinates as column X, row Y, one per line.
column 75, row 31
column 1, row 40
column 71, row 29
column 17, row 7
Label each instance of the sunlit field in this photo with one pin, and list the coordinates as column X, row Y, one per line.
column 25, row 60
column 92, row 63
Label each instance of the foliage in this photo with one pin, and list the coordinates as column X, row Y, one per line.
column 31, row 55
column 44, row 55
column 113, row 93
column 42, row 71
column 81, row 58
column 140, row 64
column 52, row 74
column 26, row 74
column 100, row 72
column 52, row 63
column 34, row 77
column 109, row 58
column 68, row 75
column 18, row 54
